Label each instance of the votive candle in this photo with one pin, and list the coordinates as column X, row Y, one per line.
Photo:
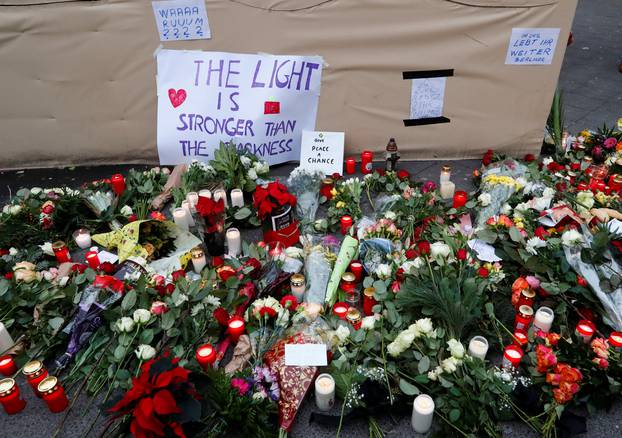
column 523, row 318
column 615, row 339
column 237, row 198
column 7, row 365
column 585, row 330
column 356, row 268
column 221, row 194
column 369, row 301
column 34, row 373
column 340, row 309
column 423, row 413
column 447, row 190
column 198, row 260
column 460, row 199
column 520, row 338
column 445, row 174
column 82, row 238
column 324, row 392
column 186, row 206
column 53, row 394
column 367, row 158
column 512, row 355
column 236, row 327
column 234, row 242
column 180, row 216
column 61, row 252
column 118, row 184
column 10, row 397
column 298, row 286
column 353, row 316
column 544, row 319
column 478, row 347
column 92, row 259
column 346, row 223
column 350, row 166
column 205, row 193
column 192, row 198
column 206, row 355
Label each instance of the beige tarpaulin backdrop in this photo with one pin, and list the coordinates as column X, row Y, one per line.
column 77, row 78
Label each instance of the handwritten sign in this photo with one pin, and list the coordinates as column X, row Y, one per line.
column 179, row 20
column 532, row 46
column 262, row 103
column 427, row 96
column 322, row 151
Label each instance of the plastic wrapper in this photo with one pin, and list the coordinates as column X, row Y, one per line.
column 305, row 185
column 373, row 252
column 349, row 248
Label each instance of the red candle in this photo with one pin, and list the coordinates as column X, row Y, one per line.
column 367, row 158
column 236, row 327
column 61, row 252
column 353, row 316
column 346, row 223
column 369, row 301
column 512, row 356
column 350, row 166
column 10, row 397
column 460, row 199
column 53, row 394
column 7, row 365
column 523, row 318
column 92, row 259
column 340, row 309
column 206, row 355
column 118, row 184
column 34, row 373
column 356, row 268
column 585, row 330
column 348, row 282
column 520, row 338
column 615, row 339
column 527, row 298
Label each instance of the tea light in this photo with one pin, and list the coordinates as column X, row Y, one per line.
column 118, row 184
column 206, row 355
column 7, row 365
column 367, row 158
column 447, row 190
column 221, row 194
column 346, row 223
column 180, row 216
column 205, row 193
column 350, row 166
column 298, row 286
column 423, row 412
column 234, row 242
column 324, row 392
column 340, row 309
column 520, row 338
column 460, row 199
column 585, row 330
column 10, row 397
column 544, row 319
column 236, row 327
column 369, row 301
column 445, row 174
column 512, row 356
column 523, row 318
column 61, row 252
column 192, row 198
column 198, row 259
column 82, row 238
column 186, row 206
column 53, row 394
column 478, row 347
column 92, row 259
column 6, row 341
column 356, row 268
column 237, row 198
column 34, row 373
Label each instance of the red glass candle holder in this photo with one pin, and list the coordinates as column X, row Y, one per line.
column 346, row 223
column 34, row 373
column 61, row 252
column 523, row 318
column 340, row 309
column 369, row 301
column 520, row 338
column 460, row 199
column 350, row 166
column 7, row 365
column 53, row 394
column 236, row 327
column 527, row 298
column 512, row 355
column 326, row 188
column 356, row 268
column 92, row 259
column 615, row 339
column 118, row 184
column 585, row 330
column 10, row 397
column 348, row 282
column 353, row 316
column 206, row 355
column 367, row 158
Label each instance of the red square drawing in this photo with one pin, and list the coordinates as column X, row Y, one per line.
column 272, row 107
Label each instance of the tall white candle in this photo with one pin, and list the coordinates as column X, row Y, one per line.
column 180, row 216
column 220, row 194
column 82, row 238
column 445, row 174
column 234, row 242
column 423, row 412
column 6, row 341
column 192, row 198
column 478, row 347
column 544, row 319
column 186, row 206
column 447, row 189
column 198, row 260
column 205, row 193
column 324, row 392
column 237, row 198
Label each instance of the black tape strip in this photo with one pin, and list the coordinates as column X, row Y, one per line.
column 422, row 74
column 426, row 121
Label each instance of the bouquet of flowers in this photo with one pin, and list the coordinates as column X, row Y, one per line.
column 304, row 185
column 213, row 213
column 238, row 168
column 346, row 200
column 274, row 204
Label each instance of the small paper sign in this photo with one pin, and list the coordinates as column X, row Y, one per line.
column 427, row 96
column 180, row 20
column 305, row 355
column 532, row 46
column 322, row 151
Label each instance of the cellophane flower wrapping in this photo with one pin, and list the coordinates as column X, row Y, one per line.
column 318, row 266
column 373, row 252
column 349, row 248
column 305, row 185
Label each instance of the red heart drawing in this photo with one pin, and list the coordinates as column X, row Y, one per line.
column 177, row 97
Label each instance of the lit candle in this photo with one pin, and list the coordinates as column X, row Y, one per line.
column 220, row 194
column 478, row 347
column 237, row 198
column 198, row 259
column 53, row 394
column 180, row 216
column 206, row 356
column 367, row 158
column 615, row 339
column 340, row 309
column 118, row 184
column 82, row 238
column 523, row 318
column 7, row 365
column 234, row 242
column 192, row 198
column 585, row 330
column 236, row 328
column 350, row 166
column 346, row 223
column 356, row 268
column 92, row 259
column 447, row 190
column 520, row 338
column 445, row 174
column 512, row 356
column 544, row 319
column 61, row 252
column 10, row 397
column 186, row 206
column 205, row 193
column 6, row 341
column 324, row 392
column 369, row 301
column 34, row 373
column 298, row 286
column 423, row 412
column 460, row 199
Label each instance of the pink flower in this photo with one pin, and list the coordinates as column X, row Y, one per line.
column 601, row 362
column 533, row 282
column 158, row 280
column 428, row 186
column 241, row 385
column 600, row 347
column 159, row 308
column 610, row 143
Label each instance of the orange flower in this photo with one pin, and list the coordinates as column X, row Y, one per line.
column 619, row 146
column 553, row 378
column 545, row 357
column 600, row 347
column 518, row 286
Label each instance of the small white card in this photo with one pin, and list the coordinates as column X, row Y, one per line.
column 485, row 251
column 532, row 46
column 180, row 20
column 427, row 97
column 105, row 256
column 305, row 355
column 322, row 151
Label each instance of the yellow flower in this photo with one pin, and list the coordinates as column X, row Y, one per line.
column 334, row 192
column 585, row 133
column 340, row 204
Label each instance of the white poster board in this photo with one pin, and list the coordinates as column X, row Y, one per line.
column 180, row 20
column 427, row 97
column 260, row 102
column 322, row 151
column 532, row 46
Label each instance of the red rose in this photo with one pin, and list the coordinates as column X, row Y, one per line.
column 180, row 273
column 575, row 166
column 411, row 254
column 222, row 316
column 48, row 209
column 581, row 281
column 403, row 174
column 541, row 233
column 3, row 252
column 217, row 261
column 225, row 272
column 255, row 264
column 289, row 302
column 8, row 275
column 483, row 272
column 399, row 274
column 108, row 268
column 159, row 308
column 424, row 247
column 461, row 254
column 530, row 157
column 79, row 268
column 336, row 176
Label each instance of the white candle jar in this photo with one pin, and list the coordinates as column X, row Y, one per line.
column 324, row 392
column 423, row 413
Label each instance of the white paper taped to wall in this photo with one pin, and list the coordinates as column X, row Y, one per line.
column 180, row 20
column 427, row 96
column 532, row 46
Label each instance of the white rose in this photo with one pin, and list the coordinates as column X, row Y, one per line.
column 14, row 209
column 343, row 333
column 572, row 238
column 383, row 271
column 246, row 162
column 126, row 211
column 47, row 248
column 390, row 215
column 485, row 199
column 393, row 349
column 293, row 252
column 405, row 339
column 433, row 375
column 13, row 251
column 125, row 324
column 252, row 174
column 142, row 316
column 456, row 348
column 35, row 191
column 424, row 325
column 440, row 249
column 48, row 276
column 368, row 322
column 145, row 352
column 166, row 171
column 506, row 209
column 63, row 281
column 450, row 365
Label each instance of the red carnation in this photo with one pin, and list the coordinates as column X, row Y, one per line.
column 225, row 272
column 530, row 157
column 461, row 254
column 483, row 272
column 403, row 174
column 289, row 302
column 541, row 233
column 222, row 316
column 423, row 247
column 176, row 275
